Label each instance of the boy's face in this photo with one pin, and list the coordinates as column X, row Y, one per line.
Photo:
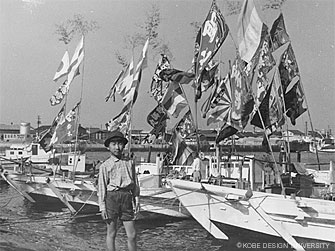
column 116, row 148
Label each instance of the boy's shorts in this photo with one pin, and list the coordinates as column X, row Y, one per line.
column 119, row 204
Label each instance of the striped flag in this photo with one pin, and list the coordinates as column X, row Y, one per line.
column 112, row 90
column 76, row 60
column 129, row 87
column 249, row 30
column 174, row 99
column 63, row 67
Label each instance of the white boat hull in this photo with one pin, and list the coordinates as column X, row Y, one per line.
column 268, row 214
column 82, row 195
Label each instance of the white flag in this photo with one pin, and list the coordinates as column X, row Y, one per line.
column 63, row 67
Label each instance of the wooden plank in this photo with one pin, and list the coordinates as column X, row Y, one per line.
column 12, row 184
column 61, row 197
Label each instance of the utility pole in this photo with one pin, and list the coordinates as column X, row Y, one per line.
column 38, row 125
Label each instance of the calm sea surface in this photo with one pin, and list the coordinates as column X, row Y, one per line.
column 26, row 227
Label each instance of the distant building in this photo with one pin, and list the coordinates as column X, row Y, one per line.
column 15, row 132
column 293, row 135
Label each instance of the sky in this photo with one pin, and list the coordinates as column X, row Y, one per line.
column 30, row 54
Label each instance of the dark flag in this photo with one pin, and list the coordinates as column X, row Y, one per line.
column 210, row 37
column 294, row 100
column 157, row 119
column 67, row 128
column 174, row 75
column 225, row 132
column 288, row 67
column 45, row 141
column 278, row 33
column 158, row 86
column 207, row 78
column 186, row 125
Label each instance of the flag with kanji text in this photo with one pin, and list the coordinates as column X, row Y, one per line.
column 67, row 128
column 157, row 119
column 158, row 86
column 210, row 37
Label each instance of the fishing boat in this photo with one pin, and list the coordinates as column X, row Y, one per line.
column 286, row 211
column 324, row 145
column 80, row 195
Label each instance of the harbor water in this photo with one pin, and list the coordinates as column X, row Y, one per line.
column 25, row 226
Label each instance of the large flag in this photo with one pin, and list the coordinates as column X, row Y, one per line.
column 174, row 100
column 181, row 151
column 219, row 108
column 59, row 95
column 76, row 60
column 243, row 101
column 63, row 67
column 112, row 90
column 233, row 100
column 294, row 100
column 211, row 36
column 265, row 63
column 46, row 138
column 288, row 67
column 67, row 128
column 120, row 122
column 206, row 79
column 269, row 115
column 157, row 119
column 177, row 76
column 186, row 125
column 278, row 33
column 249, row 30
column 158, row 87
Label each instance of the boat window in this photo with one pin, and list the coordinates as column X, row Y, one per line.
column 11, row 152
column 20, row 153
column 34, row 149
